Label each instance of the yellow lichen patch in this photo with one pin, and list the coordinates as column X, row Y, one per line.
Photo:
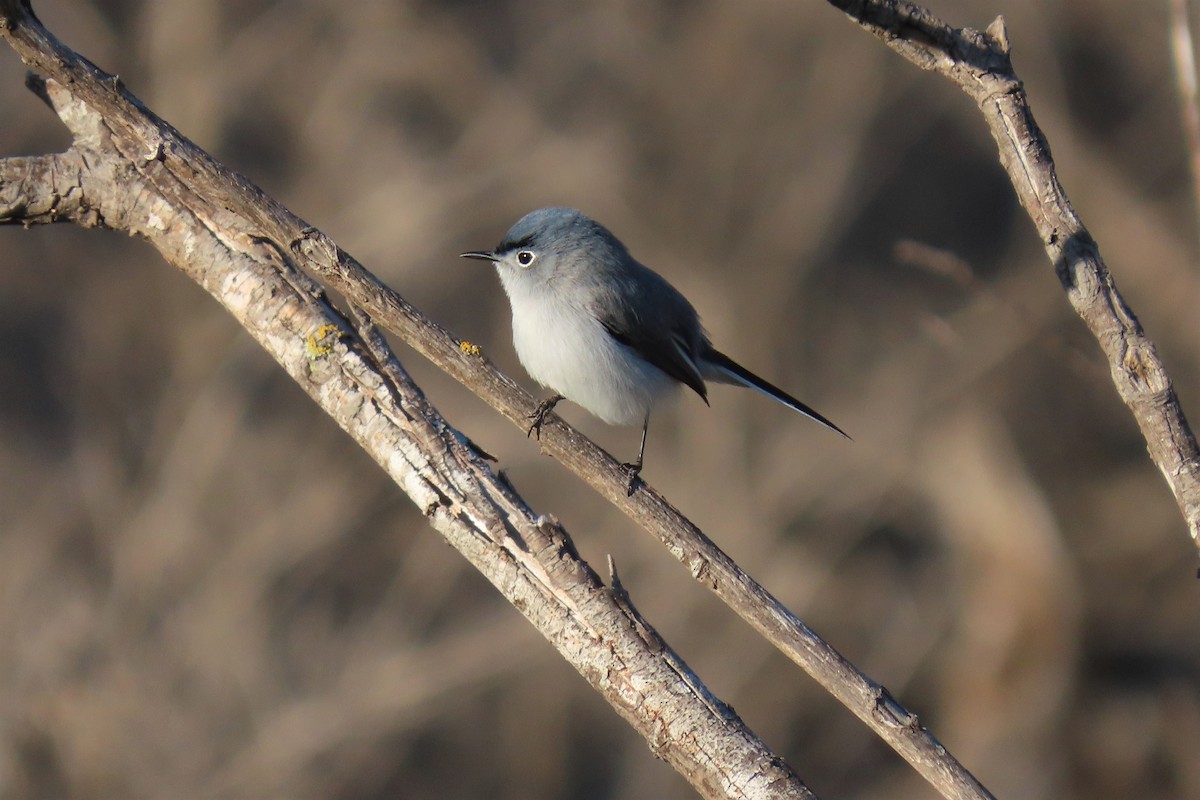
column 469, row 348
column 320, row 343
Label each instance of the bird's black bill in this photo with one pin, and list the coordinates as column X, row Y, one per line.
column 479, row 255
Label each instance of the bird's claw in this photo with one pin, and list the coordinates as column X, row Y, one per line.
column 538, row 417
column 633, row 472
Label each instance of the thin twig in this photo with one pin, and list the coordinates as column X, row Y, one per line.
column 1184, row 61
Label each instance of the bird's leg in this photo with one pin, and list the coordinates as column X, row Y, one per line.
column 538, row 417
column 635, row 469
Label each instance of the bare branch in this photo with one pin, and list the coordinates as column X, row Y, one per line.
column 40, row 189
column 128, row 170
column 979, row 63
column 146, row 137
column 1183, row 59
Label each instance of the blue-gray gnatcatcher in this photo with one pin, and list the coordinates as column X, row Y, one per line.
column 596, row 327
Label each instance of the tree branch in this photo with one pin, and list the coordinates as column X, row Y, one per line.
column 149, row 143
column 979, row 64
column 127, row 170
column 219, row 187
column 1183, row 61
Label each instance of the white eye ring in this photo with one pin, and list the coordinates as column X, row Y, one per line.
column 525, row 258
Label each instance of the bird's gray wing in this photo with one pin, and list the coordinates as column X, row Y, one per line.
column 658, row 324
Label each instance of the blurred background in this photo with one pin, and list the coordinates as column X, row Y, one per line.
column 207, row 591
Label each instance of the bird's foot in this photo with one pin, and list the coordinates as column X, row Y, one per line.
column 633, row 472
column 538, row 417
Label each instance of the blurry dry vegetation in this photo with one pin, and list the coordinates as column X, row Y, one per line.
column 206, row 591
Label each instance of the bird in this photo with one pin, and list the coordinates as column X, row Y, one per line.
column 597, row 327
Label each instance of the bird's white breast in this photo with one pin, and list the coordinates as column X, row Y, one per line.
column 564, row 348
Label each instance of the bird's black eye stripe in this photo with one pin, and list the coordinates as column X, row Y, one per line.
column 508, row 246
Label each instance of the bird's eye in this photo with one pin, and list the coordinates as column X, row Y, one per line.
column 525, row 258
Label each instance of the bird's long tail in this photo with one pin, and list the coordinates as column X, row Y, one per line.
column 721, row 368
